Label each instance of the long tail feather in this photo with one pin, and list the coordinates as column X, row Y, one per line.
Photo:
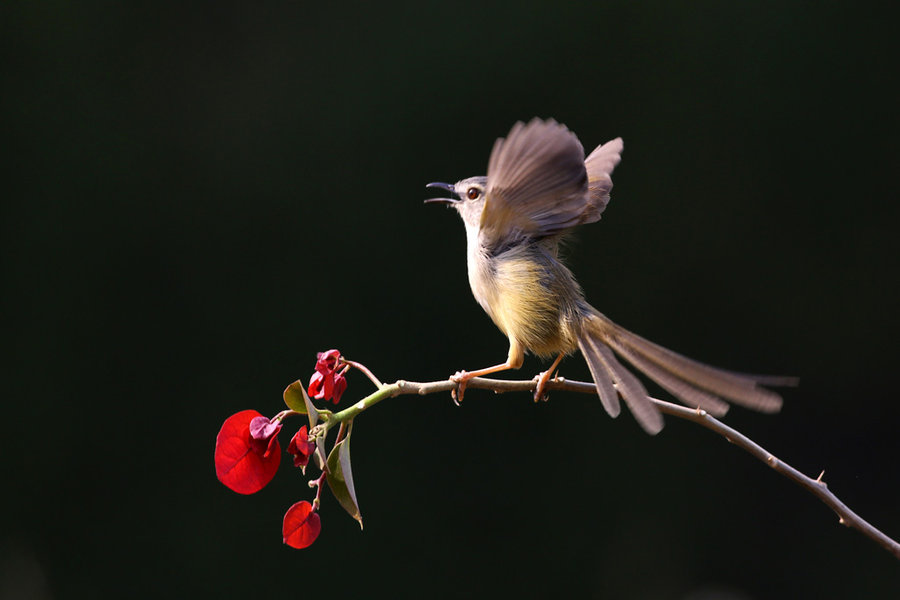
column 602, row 379
column 682, row 390
column 693, row 383
column 605, row 368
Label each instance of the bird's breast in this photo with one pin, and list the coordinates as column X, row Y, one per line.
column 523, row 291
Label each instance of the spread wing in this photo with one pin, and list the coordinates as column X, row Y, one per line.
column 537, row 184
column 600, row 164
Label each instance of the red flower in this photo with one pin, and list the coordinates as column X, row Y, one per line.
column 247, row 460
column 264, row 435
column 301, row 448
column 326, row 383
column 327, row 361
column 301, row 525
column 340, row 386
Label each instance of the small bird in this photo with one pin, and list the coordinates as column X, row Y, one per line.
column 538, row 187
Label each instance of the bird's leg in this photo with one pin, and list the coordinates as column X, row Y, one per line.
column 539, row 393
column 461, row 378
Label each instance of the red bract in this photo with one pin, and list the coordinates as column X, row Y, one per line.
column 301, row 525
column 326, row 383
column 327, row 361
column 321, row 386
column 301, row 447
column 244, row 464
column 340, row 386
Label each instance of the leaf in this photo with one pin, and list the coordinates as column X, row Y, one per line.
column 319, row 455
column 340, row 477
column 311, row 411
column 293, row 397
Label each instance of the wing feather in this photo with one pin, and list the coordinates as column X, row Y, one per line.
column 537, row 184
column 600, row 164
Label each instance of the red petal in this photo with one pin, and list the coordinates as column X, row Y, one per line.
column 327, row 361
column 264, row 435
column 298, row 440
column 301, row 447
column 321, row 385
column 315, row 385
column 237, row 465
column 262, row 428
column 301, row 525
column 340, row 385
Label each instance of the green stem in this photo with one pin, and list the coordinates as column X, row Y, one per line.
column 385, row 391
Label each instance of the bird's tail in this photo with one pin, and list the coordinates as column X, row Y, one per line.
column 693, row 383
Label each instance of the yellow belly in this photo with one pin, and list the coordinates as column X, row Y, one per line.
column 532, row 303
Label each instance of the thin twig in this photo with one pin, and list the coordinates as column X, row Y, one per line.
column 817, row 487
column 317, row 483
column 364, row 369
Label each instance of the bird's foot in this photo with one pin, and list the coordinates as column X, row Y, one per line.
column 540, row 390
column 461, row 379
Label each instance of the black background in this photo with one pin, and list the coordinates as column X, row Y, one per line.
column 198, row 199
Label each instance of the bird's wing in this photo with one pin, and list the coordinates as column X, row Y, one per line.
column 537, row 184
column 600, row 164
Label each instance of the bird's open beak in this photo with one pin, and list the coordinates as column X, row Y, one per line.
column 444, row 186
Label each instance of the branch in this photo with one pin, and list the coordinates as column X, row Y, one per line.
column 817, row 487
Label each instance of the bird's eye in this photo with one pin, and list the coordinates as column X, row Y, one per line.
column 472, row 193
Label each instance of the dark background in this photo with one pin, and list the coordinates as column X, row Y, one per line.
column 196, row 200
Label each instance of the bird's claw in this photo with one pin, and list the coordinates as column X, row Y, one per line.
column 540, row 390
column 460, row 379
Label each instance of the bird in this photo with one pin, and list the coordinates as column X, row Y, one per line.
column 538, row 188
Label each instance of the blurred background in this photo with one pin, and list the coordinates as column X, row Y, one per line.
column 199, row 198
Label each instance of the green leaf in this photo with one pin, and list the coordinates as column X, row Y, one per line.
column 340, row 477
column 311, row 411
column 294, row 397
column 319, row 455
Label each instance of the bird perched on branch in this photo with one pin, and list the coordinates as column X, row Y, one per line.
column 538, row 187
